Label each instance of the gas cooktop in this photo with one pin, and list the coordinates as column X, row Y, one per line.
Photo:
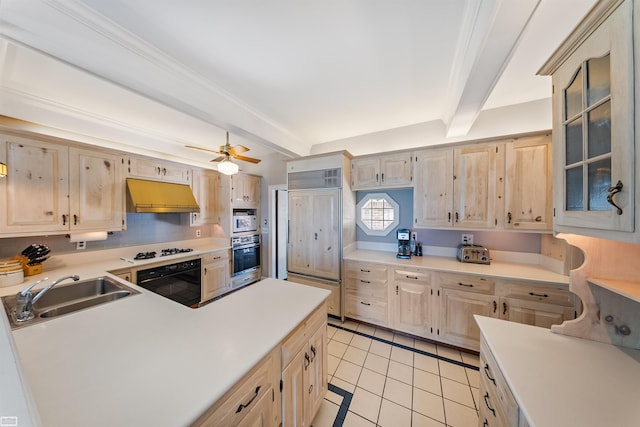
column 163, row 252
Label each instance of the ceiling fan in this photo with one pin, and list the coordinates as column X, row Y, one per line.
column 227, row 152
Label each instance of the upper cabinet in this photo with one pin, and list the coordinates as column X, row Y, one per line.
column 157, row 170
column 386, row 171
column 593, row 125
column 527, row 184
column 206, row 186
column 245, row 191
column 456, row 187
column 54, row 188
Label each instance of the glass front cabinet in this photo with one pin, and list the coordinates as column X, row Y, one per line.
column 593, row 124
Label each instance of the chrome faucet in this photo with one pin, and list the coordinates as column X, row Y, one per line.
column 25, row 300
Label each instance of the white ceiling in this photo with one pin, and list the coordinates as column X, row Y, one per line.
column 282, row 75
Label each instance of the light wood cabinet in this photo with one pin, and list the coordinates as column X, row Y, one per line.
column 245, row 191
column 366, row 292
column 67, row 188
column 215, row 275
column 206, row 190
column 593, row 125
column 410, row 301
column 456, row 315
column 456, row 187
column 314, row 238
column 527, row 184
column 390, row 170
column 158, row 170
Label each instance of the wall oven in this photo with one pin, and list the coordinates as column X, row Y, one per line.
column 180, row 282
column 245, row 252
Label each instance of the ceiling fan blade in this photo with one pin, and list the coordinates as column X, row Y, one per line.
column 203, row 149
column 218, row 159
column 247, row 159
column 238, row 149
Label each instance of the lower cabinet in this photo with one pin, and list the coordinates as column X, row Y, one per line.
column 456, row 316
column 366, row 292
column 411, row 301
column 215, row 275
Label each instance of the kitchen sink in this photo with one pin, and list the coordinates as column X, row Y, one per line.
column 69, row 298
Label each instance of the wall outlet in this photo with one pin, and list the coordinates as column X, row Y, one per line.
column 198, row 233
column 81, row 245
column 467, row 239
column 414, row 236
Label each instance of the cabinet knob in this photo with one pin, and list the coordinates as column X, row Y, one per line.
column 612, row 192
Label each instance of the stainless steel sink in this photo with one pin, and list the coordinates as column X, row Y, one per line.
column 69, row 298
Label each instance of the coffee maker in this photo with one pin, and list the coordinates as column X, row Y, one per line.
column 404, row 250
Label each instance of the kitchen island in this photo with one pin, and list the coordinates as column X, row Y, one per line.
column 146, row 360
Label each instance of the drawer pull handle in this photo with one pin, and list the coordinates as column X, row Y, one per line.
column 449, row 217
column 504, row 308
column 365, row 303
column 612, row 192
column 508, row 217
column 533, row 294
column 75, row 219
column 307, row 360
column 246, row 405
column 466, row 285
column 313, row 352
column 412, row 277
column 485, row 423
column 365, row 271
column 486, row 402
column 64, row 219
column 495, row 306
column 486, row 372
column 364, row 281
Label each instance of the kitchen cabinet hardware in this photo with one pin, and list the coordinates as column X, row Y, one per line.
column 376, row 177
column 64, row 219
column 307, row 360
column 382, row 178
column 365, row 281
column 457, row 217
column 412, row 277
column 533, row 294
column 368, row 303
column 495, row 306
column 313, row 353
column 396, row 289
column 508, row 217
column 246, row 405
column 448, row 216
column 504, row 308
column 75, row 219
column 486, row 402
column 485, row 423
column 487, row 369
column 365, row 271
column 538, row 218
column 466, row 285
column 612, row 192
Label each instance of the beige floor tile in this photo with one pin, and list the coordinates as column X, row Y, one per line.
column 365, row 404
column 355, row 355
column 343, row 336
column 343, row 384
column 347, row 371
column 326, row 414
column 333, row 363
column 334, row 321
column 449, row 353
column 401, row 372
column 460, row 415
column 394, row 415
column 336, row 348
column 334, row 397
column 427, row 381
column 363, row 343
column 473, row 376
column 426, row 346
column 372, row 381
column 376, row 363
column 404, row 340
column 426, row 363
column 457, row 392
column 330, row 331
column 471, row 359
column 366, row 329
column 380, row 348
column 384, row 334
column 428, row 404
column 403, row 356
column 355, row 420
column 419, row 420
column 398, row 392
column 476, row 397
column 453, row 372
column 350, row 324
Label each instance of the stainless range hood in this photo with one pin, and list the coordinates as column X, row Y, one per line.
column 159, row 197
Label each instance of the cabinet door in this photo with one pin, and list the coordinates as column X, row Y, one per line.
column 474, row 186
column 96, row 199
column 36, row 187
column 534, row 313
column 325, row 225
column 294, row 379
column 456, row 315
column 412, row 308
column 261, row 415
column 215, row 276
column 527, row 194
column 206, row 190
column 299, row 243
column 172, row 172
column 433, row 192
column 153, row 169
column 593, row 128
column 245, row 191
column 395, row 170
column 365, row 173
column 318, row 380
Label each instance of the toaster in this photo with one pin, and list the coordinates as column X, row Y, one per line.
column 474, row 254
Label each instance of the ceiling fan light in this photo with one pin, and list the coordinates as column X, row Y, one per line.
column 227, row 167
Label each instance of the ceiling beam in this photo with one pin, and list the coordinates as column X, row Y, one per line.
column 490, row 33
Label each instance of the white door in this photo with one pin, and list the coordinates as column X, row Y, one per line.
column 281, row 220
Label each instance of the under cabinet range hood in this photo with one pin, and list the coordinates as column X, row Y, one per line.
column 159, row 197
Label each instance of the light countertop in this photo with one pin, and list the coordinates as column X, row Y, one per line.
column 559, row 380
column 496, row 269
column 143, row 360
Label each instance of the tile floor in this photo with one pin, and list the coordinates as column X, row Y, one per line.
column 378, row 378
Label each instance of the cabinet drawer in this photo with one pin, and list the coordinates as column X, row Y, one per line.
column 412, row 275
column 240, row 400
column 366, row 271
column 374, row 288
column 466, row 282
column 301, row 335
column 495, row 393
column 215, row 256
column 538, row 293
column 363, row 307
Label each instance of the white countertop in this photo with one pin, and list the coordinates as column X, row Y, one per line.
column 143, row 360
column 452, row 265
column 562, row 381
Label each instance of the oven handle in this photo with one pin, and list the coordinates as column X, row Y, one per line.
column 250, row 245
column 166, row 275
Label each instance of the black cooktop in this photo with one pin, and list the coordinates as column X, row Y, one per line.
column 163, row 252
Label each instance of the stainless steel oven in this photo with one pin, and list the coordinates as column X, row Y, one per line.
column 180, row 281
column 245, row 252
